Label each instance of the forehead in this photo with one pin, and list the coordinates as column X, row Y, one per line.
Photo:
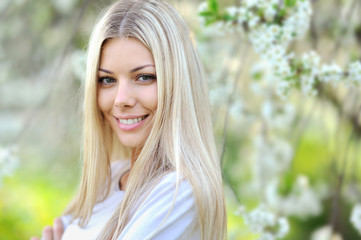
column 123, row 52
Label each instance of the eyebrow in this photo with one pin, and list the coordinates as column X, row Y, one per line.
column 141, row 67
column 103, row 70
column 131, row 71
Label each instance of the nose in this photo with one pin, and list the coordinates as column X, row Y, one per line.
column 125, row 95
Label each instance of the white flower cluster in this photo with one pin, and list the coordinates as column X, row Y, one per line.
column 354, row 73
column 331, row 73
column 272, row 157
column 271, row 37
column 270, row 41
column 261, row 220
column 310, row 65
column 8, row 161
column 325, row 233
column 356, row 217
column 277, row 116
column 302, row 201
column 298, row 20
column 270, row 34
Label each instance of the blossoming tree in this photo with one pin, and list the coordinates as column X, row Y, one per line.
column 267, row 110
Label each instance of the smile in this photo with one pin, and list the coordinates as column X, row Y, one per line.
column 131, row 121
column 130, row 124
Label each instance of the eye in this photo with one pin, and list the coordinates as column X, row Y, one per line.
column 106, row 80
column 146, row 78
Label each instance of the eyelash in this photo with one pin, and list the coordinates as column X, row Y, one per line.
column 149, row 77
column 101, row 80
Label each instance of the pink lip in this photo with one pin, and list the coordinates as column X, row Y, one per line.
column 131, row 126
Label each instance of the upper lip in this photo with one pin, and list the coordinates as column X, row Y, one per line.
column 130, row 116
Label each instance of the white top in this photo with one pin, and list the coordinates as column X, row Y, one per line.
column 181, row 223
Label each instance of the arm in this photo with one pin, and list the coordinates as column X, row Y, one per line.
column 181, row 223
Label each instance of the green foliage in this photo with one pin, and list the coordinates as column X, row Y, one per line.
column 213, row 5
column 290, row 3
column 34, row 204
column 286, row 184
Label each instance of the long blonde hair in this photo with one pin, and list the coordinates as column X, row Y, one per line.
column 181, row 139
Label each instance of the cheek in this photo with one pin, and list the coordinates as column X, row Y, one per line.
column 153, row 99
column 104, row 101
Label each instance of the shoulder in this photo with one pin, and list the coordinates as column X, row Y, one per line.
column 171, row 191
column 172, row 183
column 168, row 211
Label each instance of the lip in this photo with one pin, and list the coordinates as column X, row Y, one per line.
column 130, row 127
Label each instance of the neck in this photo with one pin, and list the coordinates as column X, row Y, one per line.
column 134, row 155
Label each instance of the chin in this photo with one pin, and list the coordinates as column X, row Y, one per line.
column 131, row 143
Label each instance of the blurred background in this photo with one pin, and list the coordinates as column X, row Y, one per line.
column 298, row 158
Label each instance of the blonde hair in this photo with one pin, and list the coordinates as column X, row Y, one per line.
column 181, row 138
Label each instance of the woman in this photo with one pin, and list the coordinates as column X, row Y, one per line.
column 145, row 99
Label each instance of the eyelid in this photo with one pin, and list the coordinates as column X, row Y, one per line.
column 153, row 76
column 101, row 80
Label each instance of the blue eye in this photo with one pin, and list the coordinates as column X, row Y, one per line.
column 146, row 77
column 106, row 80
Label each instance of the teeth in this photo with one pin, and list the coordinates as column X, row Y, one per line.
column 130, row 121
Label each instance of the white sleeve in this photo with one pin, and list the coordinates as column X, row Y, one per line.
column 181, row 223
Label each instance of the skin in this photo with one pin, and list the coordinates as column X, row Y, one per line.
column 127, row 89
column 54, row 232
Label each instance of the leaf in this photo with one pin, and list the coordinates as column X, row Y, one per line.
column 210, row 21
column 206, row 14
column 290, row 3
column 227, row 17
column 213, row 5
column 286, row 183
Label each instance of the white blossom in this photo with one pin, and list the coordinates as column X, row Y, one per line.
column 286, row 35
column 282, row 68
column 283, row 89
column 8, row 161
column 275, row 53
column 307, row 85
column 284, row 227
column 278, row 116
column 325, row 233
column 232, row 11
column 303, row 201
column 354, row 73
column 330, row 73
column 261, row 220
column 356, row 217
column 203, row 7
column 299, row 18
column 236, row 109
column 253, row 19
column 250, row 3
column 310, row 62
column 242, row 15
column 272, row 156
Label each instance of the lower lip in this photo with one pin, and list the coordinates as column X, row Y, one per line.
column 126, row 127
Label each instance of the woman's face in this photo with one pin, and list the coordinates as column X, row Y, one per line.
column 127, row 89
